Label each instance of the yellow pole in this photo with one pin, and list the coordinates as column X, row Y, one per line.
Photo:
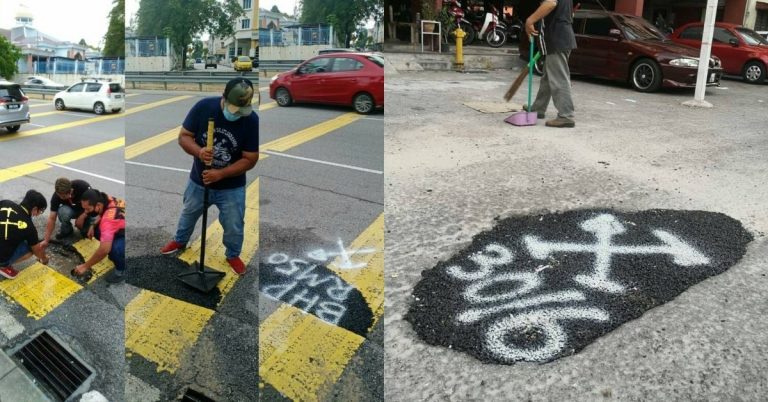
column 459, row 65
column 254, row 29
column 209, row 143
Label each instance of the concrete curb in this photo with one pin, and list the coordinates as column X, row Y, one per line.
column 15, row 384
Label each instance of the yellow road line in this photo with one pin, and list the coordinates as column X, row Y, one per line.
column 58, row 127
column 308, row 134
column 302, row 356
column 39, row 289
column 131, row 94
column 86, row 248
column 42, row 164
column 160, row 328
column 134, row 150
column 47, row 113
column 41, row 104
column 267, row 106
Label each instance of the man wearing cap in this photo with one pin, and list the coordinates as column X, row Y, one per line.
column 235, row 151
column 65, row 205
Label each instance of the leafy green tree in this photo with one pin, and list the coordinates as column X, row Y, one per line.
column 275, row 9
column 82, row 42
column 9, row 55
column 344, row 16
column 182, row 20
column 114, row 40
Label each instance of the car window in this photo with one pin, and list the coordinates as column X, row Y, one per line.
column 751, row 37
column 722, row 35
column 378, row 60
column 76, row 88
column 115, row 88
column 319, row 65
column 346, row 64
column 92, row 87
column 598, row 26
column 637, row 28
column 692, row 33
column 11, row 92
column 243, row 58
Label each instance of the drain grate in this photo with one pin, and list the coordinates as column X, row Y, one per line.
column 193, row 396
column 53, row 366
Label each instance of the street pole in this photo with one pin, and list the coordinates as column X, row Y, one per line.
column 704, row 55
column 254, row 30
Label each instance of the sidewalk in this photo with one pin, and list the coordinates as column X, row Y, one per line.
column 15, row 385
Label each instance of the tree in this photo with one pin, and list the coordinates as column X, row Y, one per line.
column 182, row 20
column 9, row 55
column 275, row 9
column 344, row 16
column 114, row 40
column 82, row 42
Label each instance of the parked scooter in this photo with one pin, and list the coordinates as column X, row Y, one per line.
column 487, row 27
column 513, row 27
column 457, row 12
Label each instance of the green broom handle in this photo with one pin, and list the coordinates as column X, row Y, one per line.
column 530, row 71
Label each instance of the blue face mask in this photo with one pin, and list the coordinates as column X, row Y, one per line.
column 229, row 115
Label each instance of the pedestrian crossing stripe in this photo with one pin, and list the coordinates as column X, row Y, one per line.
column 39, row 289
column 301, row 355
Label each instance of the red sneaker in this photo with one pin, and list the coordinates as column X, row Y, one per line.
column 172, row 247
column 237, row 265
column 11, row 273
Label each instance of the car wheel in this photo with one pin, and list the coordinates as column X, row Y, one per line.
column 59, row 104
column 98, row 108
column 754, row 72
column 363, row 103
column 646, row 76
column 13, row 129
column 283, row 97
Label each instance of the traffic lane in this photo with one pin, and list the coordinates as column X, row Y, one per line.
column 108, row 164
column 48, row 119
column 151, row 122
column 359, row 144
column 279, row 122
column 436, row 202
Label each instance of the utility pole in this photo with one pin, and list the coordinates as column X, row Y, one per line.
column 255, row 30
column 704, row 55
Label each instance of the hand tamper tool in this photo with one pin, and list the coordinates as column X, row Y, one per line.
column 203, row 278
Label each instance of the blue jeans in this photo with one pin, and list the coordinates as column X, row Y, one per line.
column 231, row 206
column 21, row 250
column 116, row 253
column 67, row 213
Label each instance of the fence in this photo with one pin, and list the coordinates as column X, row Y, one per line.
column 64, row 66
column 147, row 47
column 296, row 36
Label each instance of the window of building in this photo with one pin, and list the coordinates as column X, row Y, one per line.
column 761, row 22
column 245, row 24
column 246, row 4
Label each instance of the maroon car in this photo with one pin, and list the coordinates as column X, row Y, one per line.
column 355, row 79
column 629, row 49
column 743, row 51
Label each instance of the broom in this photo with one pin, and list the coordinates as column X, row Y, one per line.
column 521, row 78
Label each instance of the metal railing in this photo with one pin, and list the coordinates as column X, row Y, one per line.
column 41, row 91
column 278, row 65
column 184, row 77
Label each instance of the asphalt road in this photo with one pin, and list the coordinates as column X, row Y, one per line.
column 87, row 318
column 321, row 253
column 458, row 179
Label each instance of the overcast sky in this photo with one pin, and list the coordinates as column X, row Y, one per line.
column 69, row 20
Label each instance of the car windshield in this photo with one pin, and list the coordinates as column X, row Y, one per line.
column 243, row 58
column 378, row 60
column 638, row 28
column 751, row 37
column 115, row 88
column 12, row 93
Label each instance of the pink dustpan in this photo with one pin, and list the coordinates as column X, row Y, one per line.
column 522, row 119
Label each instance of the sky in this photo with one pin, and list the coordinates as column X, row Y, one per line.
column 69, row 20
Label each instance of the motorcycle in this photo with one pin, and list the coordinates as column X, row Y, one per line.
column 513, row 27
column 492, row 30
column 457, row 12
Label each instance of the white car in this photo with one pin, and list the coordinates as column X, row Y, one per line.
column 42, row 82
column 95, row 95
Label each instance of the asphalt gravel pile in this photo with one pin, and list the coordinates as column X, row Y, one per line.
column 159, row 274
column 515, row 294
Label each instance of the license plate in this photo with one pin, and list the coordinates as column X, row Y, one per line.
column 118, row 96
column 712, row 77
column 14, row 106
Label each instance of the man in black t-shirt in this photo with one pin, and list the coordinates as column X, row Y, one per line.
column 65, row 205
column 18, row 235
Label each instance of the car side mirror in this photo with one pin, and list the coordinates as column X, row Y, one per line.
column 615, row 33
column 734, row 42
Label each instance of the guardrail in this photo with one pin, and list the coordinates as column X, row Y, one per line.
column 41, row 91
column 185, row 77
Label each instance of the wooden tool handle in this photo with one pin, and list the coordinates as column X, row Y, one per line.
column 209, row 144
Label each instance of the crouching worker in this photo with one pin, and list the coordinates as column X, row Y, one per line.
column 65, row 205
column 109, row 229
column 18, row 235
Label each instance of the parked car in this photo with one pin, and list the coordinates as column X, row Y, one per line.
column 14, row 106
column 764, row 34
column 243, row 63
column 198, row 60
column 743, row 51
column 355, row 79
column 336, row 50
column 630, row 49
column 43, row 83
column 211, row 62
column 92, row 94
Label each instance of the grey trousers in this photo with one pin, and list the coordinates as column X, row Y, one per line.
column 555, row 84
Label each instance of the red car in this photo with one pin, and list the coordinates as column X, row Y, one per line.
column 743, row 51
column 355, row 79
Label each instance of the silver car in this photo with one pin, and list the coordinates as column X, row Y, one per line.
column 14, row 106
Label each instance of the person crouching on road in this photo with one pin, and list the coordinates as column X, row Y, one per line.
column 18, row 235
column 109, row 229
column 235, row 151
column 65, row 205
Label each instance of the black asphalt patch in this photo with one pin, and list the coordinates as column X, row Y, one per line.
column 63, row 257
column 159, row 274
column 540, row 287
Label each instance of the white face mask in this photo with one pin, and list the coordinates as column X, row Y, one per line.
column 229, row 115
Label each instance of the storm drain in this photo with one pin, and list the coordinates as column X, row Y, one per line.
column 53, row 366
column 193, row 396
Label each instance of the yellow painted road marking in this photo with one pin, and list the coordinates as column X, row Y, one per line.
column 302, row 356
column 308, row 134
column 131, row 94
column 267, row 106
column 47, row 113
column 42, row 164
column 134, row 150
column 160, row 328
column 86, row 248
column 39, row 289
column 41, row 104
column 77, row 123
